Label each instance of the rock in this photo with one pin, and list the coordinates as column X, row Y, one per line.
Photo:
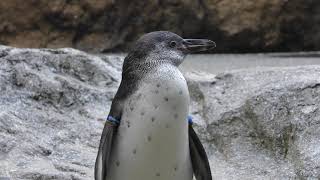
column 265, row 25
column 255, row 124
column 53, row 105
column 108, row 25
column 261, row 124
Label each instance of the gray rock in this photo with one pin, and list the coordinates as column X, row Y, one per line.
column 114, row 25
column 261, row 124
column 258, row 124
column 52, row 108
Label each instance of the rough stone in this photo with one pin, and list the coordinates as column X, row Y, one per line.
column 255, row 124
column 53, row 105
column 108, row 25
column 260, row 124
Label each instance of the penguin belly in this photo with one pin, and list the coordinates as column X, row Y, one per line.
column 152, row 140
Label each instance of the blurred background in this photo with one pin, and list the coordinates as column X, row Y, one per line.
column 244, row 26
column 255, row 98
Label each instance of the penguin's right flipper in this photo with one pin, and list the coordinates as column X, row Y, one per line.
column 100, row 171
column 199, row 159
column 106, row 141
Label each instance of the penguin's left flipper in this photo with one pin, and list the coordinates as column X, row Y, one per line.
column 100, row 171
column 199, row 159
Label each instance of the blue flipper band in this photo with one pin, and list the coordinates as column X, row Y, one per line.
column 113, row 120
column 190, row 120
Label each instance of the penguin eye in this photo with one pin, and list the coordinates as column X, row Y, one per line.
column 173, row 44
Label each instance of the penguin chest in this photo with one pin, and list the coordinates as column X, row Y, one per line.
column 152, row 140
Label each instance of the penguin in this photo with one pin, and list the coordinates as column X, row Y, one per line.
column 147, row 135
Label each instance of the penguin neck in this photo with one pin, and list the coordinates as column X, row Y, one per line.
column 135, row 70
column 162, row 57
column 142, row 67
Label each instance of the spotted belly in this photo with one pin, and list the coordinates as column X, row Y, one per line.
column 152, row 140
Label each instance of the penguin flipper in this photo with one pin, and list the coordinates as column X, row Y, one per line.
column 100, row 170
column 199, row 159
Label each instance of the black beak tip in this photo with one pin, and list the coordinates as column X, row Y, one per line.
column 211, row 44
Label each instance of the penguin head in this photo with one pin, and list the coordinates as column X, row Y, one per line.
column 167, row 47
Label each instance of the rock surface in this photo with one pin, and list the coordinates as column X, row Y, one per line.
column 258, row 124
column 53, row 105
column 261, row 124
column 96, row 25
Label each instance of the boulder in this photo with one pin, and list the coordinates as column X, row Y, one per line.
column 255, row 124
column 53, row 107
column 108, row 25
column 261, row 123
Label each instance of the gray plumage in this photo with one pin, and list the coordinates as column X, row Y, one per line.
column 153, row 89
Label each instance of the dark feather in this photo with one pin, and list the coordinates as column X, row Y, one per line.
column 199, row 159
column 103, row 156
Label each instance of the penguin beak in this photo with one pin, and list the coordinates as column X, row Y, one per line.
column 197, row 45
